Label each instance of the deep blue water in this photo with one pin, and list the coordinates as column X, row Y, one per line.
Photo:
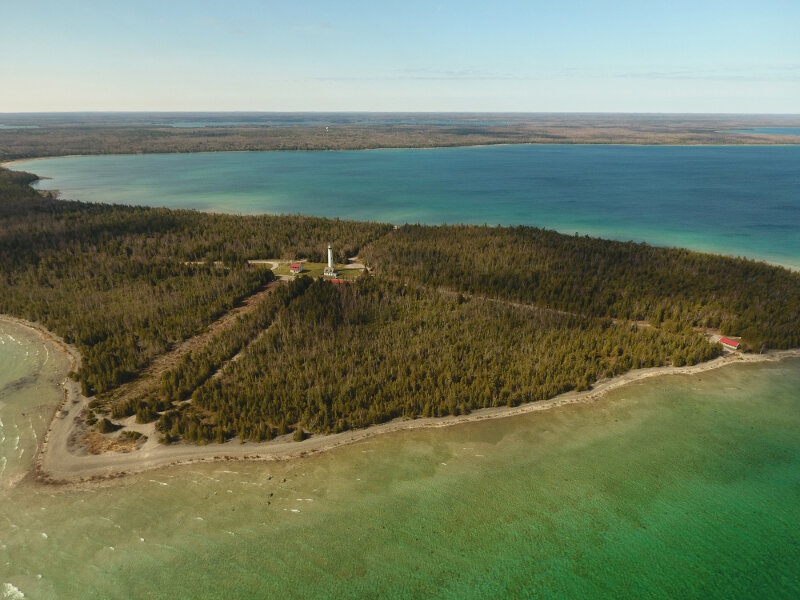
column 733, row 200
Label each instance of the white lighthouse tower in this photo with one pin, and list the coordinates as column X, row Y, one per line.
column 330, row 271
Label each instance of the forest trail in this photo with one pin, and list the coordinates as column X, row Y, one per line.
column 225, row 364
column 713, row 335
column 148, row 381
column 514, row 304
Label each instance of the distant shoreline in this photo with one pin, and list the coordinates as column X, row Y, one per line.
column 55, row 464
column 13, row 166
column 99, row 136
column 12, row 161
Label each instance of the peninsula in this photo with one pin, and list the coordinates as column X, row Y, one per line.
column 399, row 300
column 190, row 349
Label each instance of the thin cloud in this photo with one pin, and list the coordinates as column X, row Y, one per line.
column 778, row 73
column 417, row 74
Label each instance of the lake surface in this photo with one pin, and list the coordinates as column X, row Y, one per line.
column 685, row 486
column 731, row 200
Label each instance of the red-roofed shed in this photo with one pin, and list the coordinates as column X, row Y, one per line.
column 729, row 343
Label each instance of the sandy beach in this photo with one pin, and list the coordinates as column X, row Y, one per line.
column 56, row 463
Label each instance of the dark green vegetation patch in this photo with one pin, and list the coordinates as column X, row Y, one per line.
column 124, row 284
column 344, row 357
column 673, row 288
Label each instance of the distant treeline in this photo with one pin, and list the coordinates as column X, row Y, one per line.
column 108, row 134
column 673, row 288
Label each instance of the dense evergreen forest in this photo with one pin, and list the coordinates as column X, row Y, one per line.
column 341, row 357
column 124, row 284
column 669, row 287
column 452, row 319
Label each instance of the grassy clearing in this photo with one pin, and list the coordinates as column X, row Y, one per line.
column 314, row 270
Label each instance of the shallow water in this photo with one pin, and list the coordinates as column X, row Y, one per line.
column 731, row 200
column 29, row 376
column 676, row 486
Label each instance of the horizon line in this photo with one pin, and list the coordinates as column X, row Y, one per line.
column 392, row 112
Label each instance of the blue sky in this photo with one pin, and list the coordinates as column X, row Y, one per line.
column 568, row 55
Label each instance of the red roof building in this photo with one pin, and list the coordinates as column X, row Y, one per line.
column 296, row 267
column 729, row 343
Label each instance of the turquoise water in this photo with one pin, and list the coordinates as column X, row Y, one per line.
column 29, row 374
column 675, row 487
column 731, row 200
